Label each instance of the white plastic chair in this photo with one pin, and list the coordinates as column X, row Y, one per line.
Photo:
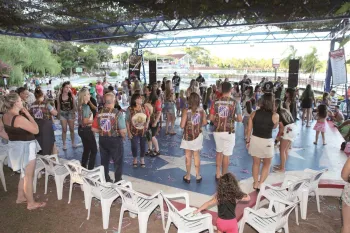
column 312, row 179
column 105, row 192
column 39, row 166
column 184, row 219
column 76, row 172
column 3, row 156
column 139, row 204
column 266, row 220
column 290, row 193
column 55, row 169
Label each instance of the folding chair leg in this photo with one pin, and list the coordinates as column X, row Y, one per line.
column 168, row 224
column 46, row 180
column 297, row 215
column 70, row 191
column 59, row 186
column 2, row 176
column 286, row 228
column 106, row 210
column 88, row 205
column 304, row 203
column 143, row 221
column 121, row 219
column 317, row 200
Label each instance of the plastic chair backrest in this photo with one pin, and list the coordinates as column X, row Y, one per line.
column 283, row 216
column 315, row 179
column 74, row 170
column 129, row 197
column 174, row 213
column 48, row 161
column 92, row 186
column 293, row 189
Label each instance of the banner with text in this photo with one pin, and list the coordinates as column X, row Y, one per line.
column 338, row 64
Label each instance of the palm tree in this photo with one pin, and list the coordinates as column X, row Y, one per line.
column 292, row 51
column 311, row 63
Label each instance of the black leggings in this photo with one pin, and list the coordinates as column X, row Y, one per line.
column 90, row 147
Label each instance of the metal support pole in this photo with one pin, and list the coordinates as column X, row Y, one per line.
column 142, row 69
column 328, row 81
column 275, row 74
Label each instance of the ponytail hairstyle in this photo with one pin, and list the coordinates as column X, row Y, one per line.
column 249, row 106
column 38, row 93
column 7, row 102
column 253, row 101
column 194, row 101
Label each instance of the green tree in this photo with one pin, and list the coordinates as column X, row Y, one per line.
column 27, row 55
column 104, row 52
column 89, row 58
column 68, row 55
column 291, row 54
column 199, row 55
column 311, row 63
column 123, row 58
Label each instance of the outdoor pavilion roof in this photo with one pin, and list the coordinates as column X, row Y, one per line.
column 125, row 21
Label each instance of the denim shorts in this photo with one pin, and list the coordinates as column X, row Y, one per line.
column 67, row 115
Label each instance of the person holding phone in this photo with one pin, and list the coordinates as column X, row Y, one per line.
column 66, row 109
column 23, row 147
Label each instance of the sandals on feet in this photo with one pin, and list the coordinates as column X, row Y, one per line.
column 143, row 165
column 186, row 180
column 256, row 189
column 149, row 152
column 155, row 153
column 198, row 180
column 134, row 165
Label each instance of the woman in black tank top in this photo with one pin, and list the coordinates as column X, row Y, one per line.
column 260, row 143
column 23, row 147
column 66, row 112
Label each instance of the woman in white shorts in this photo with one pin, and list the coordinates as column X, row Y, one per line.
column 345, row 174
column 287, row 132
column 192, row 121
column 260, row 143
column 23, row 147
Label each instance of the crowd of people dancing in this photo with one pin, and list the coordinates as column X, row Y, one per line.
column 137, row 113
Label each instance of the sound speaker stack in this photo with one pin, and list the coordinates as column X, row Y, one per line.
column 293, row 75
column 152, row 72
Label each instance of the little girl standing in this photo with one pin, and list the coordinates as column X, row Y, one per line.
column 227, row 195
column 320, row 125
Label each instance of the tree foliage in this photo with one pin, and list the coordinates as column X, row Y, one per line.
column 27, row 55
column 291, row 54
column 199, row 55
column 311, row 62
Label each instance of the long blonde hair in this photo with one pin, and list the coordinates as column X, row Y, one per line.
column 82, row 93
column 168, row 89
column 137, row 86
column 7, row 102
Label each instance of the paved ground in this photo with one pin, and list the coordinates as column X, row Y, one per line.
column 59, row 216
